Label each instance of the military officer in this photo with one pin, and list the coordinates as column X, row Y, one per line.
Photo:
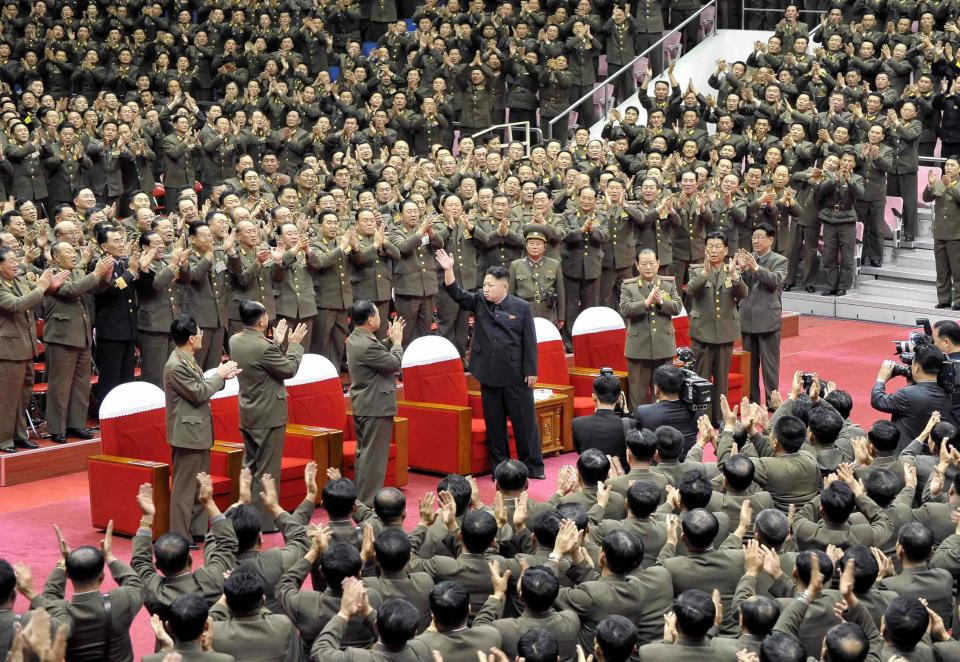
column 649, row 18
column 27, row 158
column 729, row 211
column 460, row 240
column 688, row 236
column 180, row 150
column 555, row 82
column 205, row 293
column 551, row 225
column 620, row 251
column 189, row 423
column 656, row 232
column 764, row 273
column 621, row 40
column 876, row 160
column 294, row 296
column 263, row 397
column 329, row 261
column 253, row 271
column 499, row 237
column 582, row 256
column 648, row 303
column 18, row 297
column 373, row 366
column 538, row 279
column 715, row 289
column 785, row 209
column 904, row 132
column 160, row 301
column 218, row 157
column 68, row 337
column 414, row 274
column 836, row 197
column 945, row 194
column 371, row 275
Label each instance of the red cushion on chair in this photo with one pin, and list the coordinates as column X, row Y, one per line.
column 441, row 383
column 552, row 363
column 291, row 468
column 318, row 403
column 583, row 406
column 221, row 484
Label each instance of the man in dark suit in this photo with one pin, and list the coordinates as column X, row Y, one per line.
column 189, row 422
column 911, row 406
column 668, row 410
column 504, row 360
column 946, row 336
column 760, row 312
column 603, row 430
column 373, row 393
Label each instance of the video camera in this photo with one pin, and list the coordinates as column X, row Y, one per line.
column 696, row 392
column 906, row 350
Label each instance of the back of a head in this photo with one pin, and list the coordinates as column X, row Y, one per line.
column 339, row 561
column 802, row 406
column 8, row 582
column 84, row 564
column 782, row 647
column 244, row 589
column 929, row 358
column 700, row 527
column 865, row 567
column 916, row 541
column 739, row 470
column 538, row 645
column 695, row 489
column 172, row 553
column 545, row 525
column 825, row 424
column 642, row 444
column 339, row 498
column 668, row 378
column 392, row 548
column 577, row 513
column 459, row 488
column 884, row 436
column 511, row 475
column 846, row 642
column 837, row 501
column 771, row 527
column 251, row 312
column 617, row 638
column 623, row 551
column 246, row 523
column 883, row 486
column 539, row 588
column 790, row 433
column 187, row 617
column 695, row 613
column 944, row 431
column 390, row 504
column 669, row 442
column 607, row 389
column 906, row 621
column 450, row 604
column 478, row 530
column 643, row 498
column 593, row 466
column 759, row 614
column 841, row 401
column 804, row 560
column 397, row 622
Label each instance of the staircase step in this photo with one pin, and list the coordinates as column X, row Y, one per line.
column 809, row 304
column 915, row 259
column 889, row 309
column 900, row 290
column 894, row 272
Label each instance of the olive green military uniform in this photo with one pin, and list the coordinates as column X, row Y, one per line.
column 541, row 284
column 18, row 328
column 331, row 284
column 160, row 304
column 463, row 244
column 946, row 239
column 650, row 335
column 620, row 251
column 415, row 279
column 205, row 300
column 293, row 293
column 582, row 264
column 249, row 279
column 689, row 238
column 371, row 276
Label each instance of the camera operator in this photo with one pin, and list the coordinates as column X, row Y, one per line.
column 603, row 430
column 912, row 405
column 946, row 336
column 668, row 408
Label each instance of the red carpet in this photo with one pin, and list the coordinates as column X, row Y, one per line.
column 847, row 352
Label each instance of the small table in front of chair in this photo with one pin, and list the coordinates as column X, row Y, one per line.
column 551, row 414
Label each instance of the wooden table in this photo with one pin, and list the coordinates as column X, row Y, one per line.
column 551, row 419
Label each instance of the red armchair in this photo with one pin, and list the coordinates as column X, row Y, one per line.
column 599, row 336
column 135, row 451
column 447, row 430
column 315, row 399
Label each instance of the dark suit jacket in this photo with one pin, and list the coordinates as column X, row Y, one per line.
column 910, row 407
column 673, row 413
column 603, row 431
column 504, row 342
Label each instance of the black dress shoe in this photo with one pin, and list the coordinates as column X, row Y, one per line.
column 942, row 305
column 25, row 443
column 810, row 288
column 12, row 449
column 58, row 438
column 80, row 433
column 909, row 238
column 787, row 288
column 955, row 306
column 538, row 476
column 194, row 547
column 829, row 293
column 841, row 293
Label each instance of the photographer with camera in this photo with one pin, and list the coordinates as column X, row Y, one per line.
column 668, row 408
column 603, row 430
column 946, row 336
column 911, row 406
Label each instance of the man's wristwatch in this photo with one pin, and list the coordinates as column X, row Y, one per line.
column 553, row 556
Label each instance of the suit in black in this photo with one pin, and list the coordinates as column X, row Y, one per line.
column 603, row 431
column 673, row 413
column 910, row 407
column 955, row 397
column 503, row 354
